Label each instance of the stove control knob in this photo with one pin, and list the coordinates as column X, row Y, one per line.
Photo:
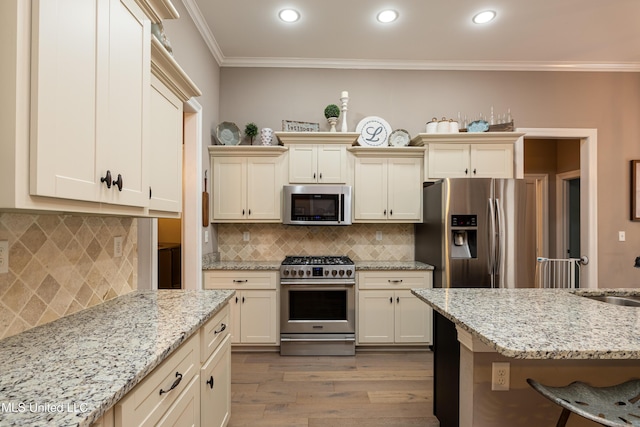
column 334, row 272
column 326, row 272
column 286, row 272
column 308, row 272
column 341, row 272
column 348, row 272
column 300, row 273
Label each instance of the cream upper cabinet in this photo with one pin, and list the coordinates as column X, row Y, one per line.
column 170, row 88
column 89, row 98
column 469, row 155
column 388, row 313
column 246, row 183
column 322, row 164
column 388, row 184
column 318, row 157
column 79, row 105
column 470, row 160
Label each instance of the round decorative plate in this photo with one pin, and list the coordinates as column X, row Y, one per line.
column 374, row 132
column 478, row 126
column 228, row 133
column 399, row 138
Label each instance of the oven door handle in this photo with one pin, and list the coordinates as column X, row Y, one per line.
column 319, row 284
column 317, row 287
column 317, row 339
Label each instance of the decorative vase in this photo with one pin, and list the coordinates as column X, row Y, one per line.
column 266, row 135
column 333, row 121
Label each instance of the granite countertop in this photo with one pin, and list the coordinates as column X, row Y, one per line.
column 275, row 265
column 392, row 265
column 542, row 323
column 70, row 371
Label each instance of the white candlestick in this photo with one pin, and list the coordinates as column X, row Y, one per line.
column 344, row 99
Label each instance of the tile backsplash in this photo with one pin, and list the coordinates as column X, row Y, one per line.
column 272, row 242
column 60, row 264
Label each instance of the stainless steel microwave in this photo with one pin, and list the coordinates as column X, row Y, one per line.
column 317, row 204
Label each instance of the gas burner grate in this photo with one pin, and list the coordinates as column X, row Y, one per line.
column 317, row 260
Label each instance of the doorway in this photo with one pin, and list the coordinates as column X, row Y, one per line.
column 586, row 140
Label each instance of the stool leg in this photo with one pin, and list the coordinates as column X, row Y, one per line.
column 564, row 417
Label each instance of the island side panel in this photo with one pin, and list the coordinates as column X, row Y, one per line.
column 521, row 405
column 446, row 371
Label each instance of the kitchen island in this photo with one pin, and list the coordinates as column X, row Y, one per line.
column 552, row 336
column 71, row 371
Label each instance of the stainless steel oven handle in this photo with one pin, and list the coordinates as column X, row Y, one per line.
column 317, row 284
column 318, row 339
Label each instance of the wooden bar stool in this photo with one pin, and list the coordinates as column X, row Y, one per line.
column 616, row 406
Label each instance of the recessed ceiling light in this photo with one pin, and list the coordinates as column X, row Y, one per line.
column 387, row 16
column 484, row 17
column 289, row 15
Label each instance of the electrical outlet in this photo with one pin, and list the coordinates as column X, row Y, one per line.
column 4, row 256
column 117, row 246
column 378, row 235
column 206, row 236
column 622, row 236
column 500, row 376
column 246, row 236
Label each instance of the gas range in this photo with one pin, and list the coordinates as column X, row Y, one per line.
column 295, row 268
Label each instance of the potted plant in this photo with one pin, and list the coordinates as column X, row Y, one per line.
column 331, row 112
column 251, row 130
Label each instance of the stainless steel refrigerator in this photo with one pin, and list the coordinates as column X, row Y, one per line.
column 473, row 233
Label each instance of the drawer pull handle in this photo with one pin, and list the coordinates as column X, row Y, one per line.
column 240, row 281
column 395, row 280
column 222, row 328
column 210, row 382
column 174, row 385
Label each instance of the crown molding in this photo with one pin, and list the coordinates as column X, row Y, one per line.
column 429, row 65
column 204, row 30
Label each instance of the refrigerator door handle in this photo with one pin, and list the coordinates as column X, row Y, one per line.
column 498, row 237
column 491, row 242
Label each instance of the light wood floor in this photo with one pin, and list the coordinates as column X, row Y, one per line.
column 369, row 389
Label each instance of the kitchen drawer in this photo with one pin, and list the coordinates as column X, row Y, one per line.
column 394, row 279
column 213, row 333
column 185, row 411
column 145, row 405
column 239, row 279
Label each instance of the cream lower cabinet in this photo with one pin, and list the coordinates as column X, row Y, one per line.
column 246, row 183
column 254, row 316
column 192, row 387
column 388, row 184
column 321, row 164
column 387, row 311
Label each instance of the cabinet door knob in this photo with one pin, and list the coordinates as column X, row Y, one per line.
column 466, row 171
column 107, row 179
column 242, row 211
column 249, row 211
column 398, row 300
column 391, row 212
column 314, row 175
column 150, row 193
column 320, row 175
column 385, row 212
column 210, row 381
column 243, row 300
column 118, row 182
column 391, row 300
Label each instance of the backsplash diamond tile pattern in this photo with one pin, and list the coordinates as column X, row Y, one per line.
column 272, row 242
column 62, row 264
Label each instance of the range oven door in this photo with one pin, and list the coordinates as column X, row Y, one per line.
column 317, row 308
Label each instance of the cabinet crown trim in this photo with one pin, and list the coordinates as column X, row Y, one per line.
column 466, row 137
column 387, row 152
column 246, row 150
column 347, row 138
column 157, row 10
column 165, row 68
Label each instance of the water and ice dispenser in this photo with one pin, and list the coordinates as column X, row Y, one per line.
column 464, row 236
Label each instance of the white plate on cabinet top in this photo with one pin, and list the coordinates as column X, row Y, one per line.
column 228, row 133
column 399, row 138
column 374, row 132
